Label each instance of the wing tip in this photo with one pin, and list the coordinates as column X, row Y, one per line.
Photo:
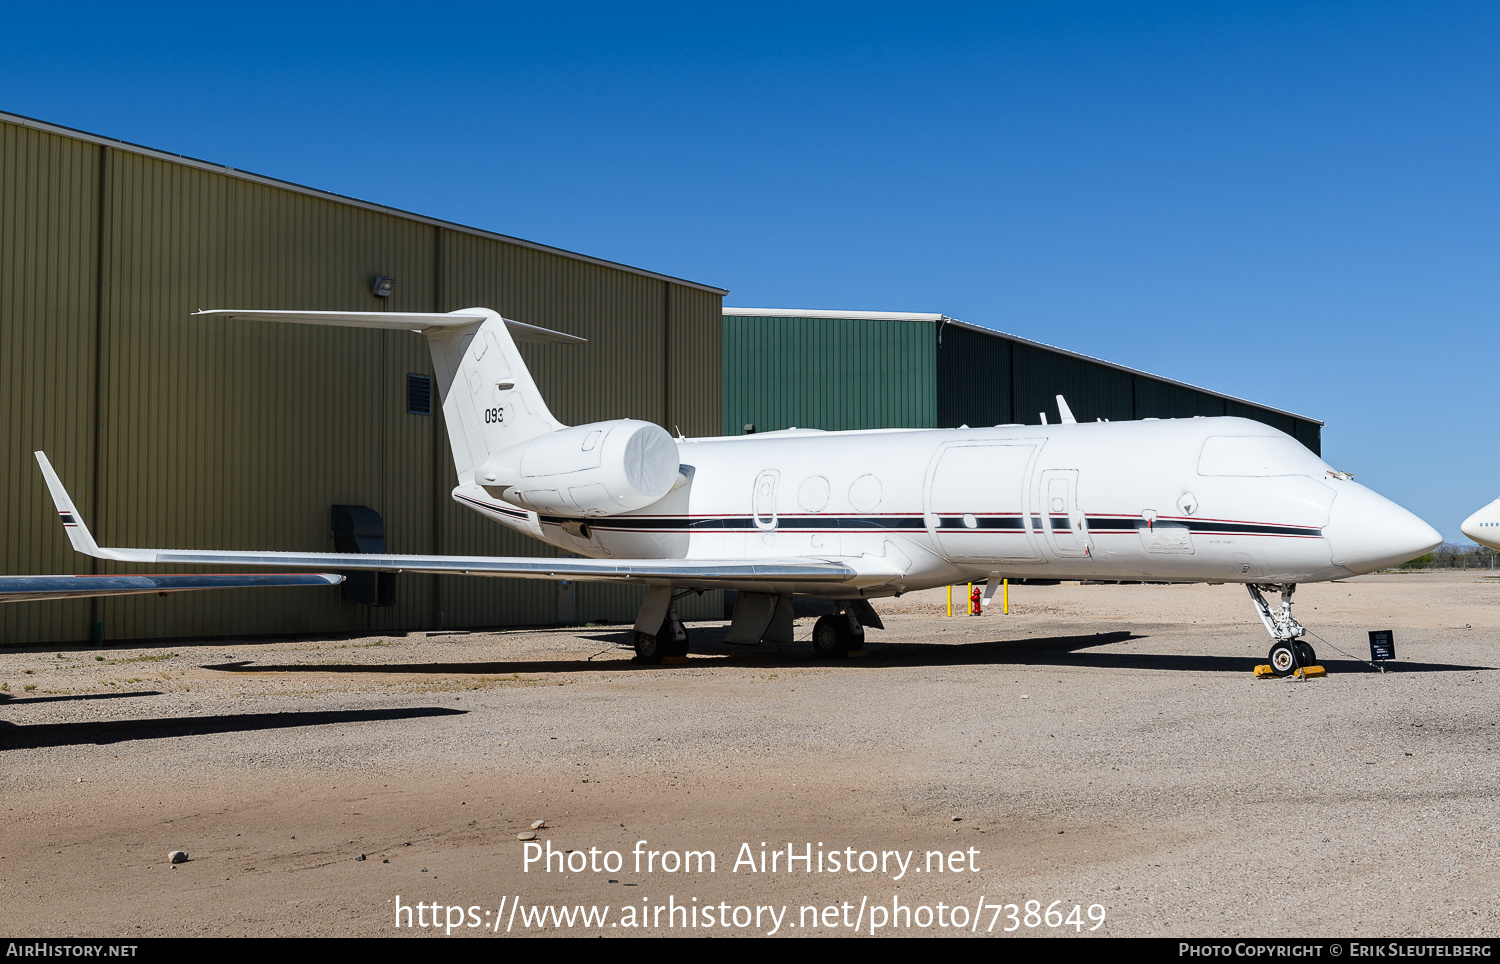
column 73, row 524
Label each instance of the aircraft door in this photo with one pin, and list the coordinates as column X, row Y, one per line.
column 974, row 501
column 764, row 500
column 1064, row 523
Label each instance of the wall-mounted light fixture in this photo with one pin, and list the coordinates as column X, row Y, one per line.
column 383, row 286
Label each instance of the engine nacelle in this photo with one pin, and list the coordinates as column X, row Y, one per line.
column 597, row 469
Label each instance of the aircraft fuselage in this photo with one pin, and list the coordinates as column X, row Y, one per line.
column 1191, row 500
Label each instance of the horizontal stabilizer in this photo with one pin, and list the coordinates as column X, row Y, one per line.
column 394, row 320
column 32, row 588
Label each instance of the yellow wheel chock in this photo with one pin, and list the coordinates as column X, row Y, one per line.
column 1264, row 670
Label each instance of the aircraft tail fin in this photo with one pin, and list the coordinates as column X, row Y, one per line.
column 490, row 401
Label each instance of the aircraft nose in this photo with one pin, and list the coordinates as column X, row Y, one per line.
column 1481, row 526
column 1367, row 531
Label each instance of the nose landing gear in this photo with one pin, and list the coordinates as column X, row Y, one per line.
column 1288, row 653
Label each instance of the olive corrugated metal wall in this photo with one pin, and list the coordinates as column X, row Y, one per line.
column 846, row 373
column 49, row 220
column 829, row 373
column 215, row 434
column 240, row 435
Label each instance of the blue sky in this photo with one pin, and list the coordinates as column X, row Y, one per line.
column 1298, row 204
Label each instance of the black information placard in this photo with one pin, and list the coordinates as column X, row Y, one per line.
column 1382, row 644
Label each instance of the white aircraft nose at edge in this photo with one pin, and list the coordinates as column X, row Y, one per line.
column 850, row 516
column 1484, row 526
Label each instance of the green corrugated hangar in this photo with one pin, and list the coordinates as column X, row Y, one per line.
column 177, row 432
column 840, row 370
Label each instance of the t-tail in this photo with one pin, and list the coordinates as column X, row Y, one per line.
column 504, row 438
column 490, row 401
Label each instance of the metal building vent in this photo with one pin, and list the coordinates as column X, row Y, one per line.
column 418, row 395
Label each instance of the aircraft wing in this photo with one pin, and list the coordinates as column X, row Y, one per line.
column 695, row 573
column 31, row 588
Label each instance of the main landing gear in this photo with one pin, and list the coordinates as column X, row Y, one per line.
column 843, row 631
column 1288, row 653
column 758, row 617
column 670, row 640
column 837, row 634
column 659, row 632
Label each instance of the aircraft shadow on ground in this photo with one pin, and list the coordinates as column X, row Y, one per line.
column 1080, row 651
column 119, row 731
column 709, row 650
column 7, row 700
column 1204, row 663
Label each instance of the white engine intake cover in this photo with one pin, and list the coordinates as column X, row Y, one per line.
column 597, row 469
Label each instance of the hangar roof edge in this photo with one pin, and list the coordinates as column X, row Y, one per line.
column 20, row 120
column 825, row 313
column 945, row 320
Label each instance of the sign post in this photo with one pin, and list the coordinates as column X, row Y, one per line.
column 1382, row 647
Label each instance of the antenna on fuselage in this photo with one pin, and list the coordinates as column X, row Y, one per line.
column 1066, row 412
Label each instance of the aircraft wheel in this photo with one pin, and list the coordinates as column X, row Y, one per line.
column 1306, row 655
column 829, row 636
column 648, row 648
column 1283, row 660
column 674, row 647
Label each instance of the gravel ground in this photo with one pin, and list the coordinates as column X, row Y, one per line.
column 1105, row 747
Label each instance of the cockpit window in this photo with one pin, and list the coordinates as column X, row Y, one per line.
column 1259, row 456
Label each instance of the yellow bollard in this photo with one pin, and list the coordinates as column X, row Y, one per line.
column 950, row 602
column 1006, row 584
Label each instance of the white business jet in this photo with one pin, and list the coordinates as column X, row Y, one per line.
column 849, row 516
column 1484, row 526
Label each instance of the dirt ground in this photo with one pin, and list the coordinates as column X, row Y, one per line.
column 1104, row 748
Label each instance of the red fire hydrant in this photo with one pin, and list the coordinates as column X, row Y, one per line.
column 976, row 606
